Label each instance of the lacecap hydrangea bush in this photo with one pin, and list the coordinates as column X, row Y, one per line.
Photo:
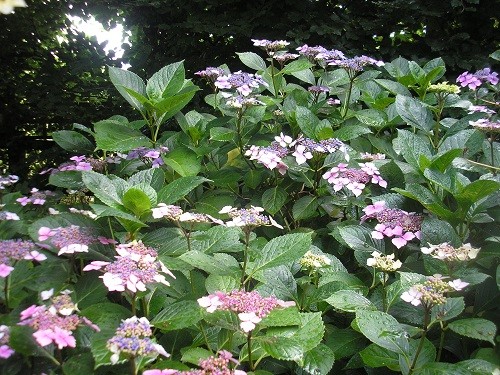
column 323, row 214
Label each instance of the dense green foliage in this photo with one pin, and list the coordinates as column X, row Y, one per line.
column 315, row 216
column 63, row 81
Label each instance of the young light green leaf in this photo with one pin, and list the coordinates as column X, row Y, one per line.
column 123, row 79
column 167, row 81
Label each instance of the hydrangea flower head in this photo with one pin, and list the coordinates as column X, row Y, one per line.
column 251, row 307
column 68, row 240
column 432, row 292
column 399, row 225
column 8, row 180
column 133, row 339
column 12, row 251
column 383, row 262
column 354, row 179
column 312, row 261
column 486, row 125
column 243, row 83
column 55, row 323
column 36, row 197
column 447, row 252
column 135, row 267
column 474, row 80
column 248, row 218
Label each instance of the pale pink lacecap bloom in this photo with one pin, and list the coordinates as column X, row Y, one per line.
column 46, row 294
column 5, row 270
column 44, row 233
column 106, row 241
column 374, row 208
column 61, row 337
column 113, row 282
column 73, row 248
column 248, row 321
column 35, row 255
column 210, row 303
column 5, row 351
column 95, row 265
column 160, row 372
column 458, row 284
column 412, row 296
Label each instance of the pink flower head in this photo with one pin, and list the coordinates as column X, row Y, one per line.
column 73, row 248
column 35, row 255
column 6, row 351
column 5, row 270
column 45, row 233
column 248, row 321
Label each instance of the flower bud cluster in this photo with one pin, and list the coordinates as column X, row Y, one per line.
column 354, row 179
column 214, row 365
column 135, row 267
column 444, row 88
column 248, row 218
column 251, row 307
column 133, row 338
column 56, row 322
column 394, row 223
column 474, row 80
column 313, row 261
column 432, row 292
column 448, row 253
column 385, row 263
column 302, row 149
column 12, row 251
column 5, row 350
column 148, row 155
column 68, row 240
column 9, row 180
column 74, row 197
column 37, row 197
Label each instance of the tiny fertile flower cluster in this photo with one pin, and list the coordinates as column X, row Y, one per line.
column 302, row 149
column 251, row 307
column 486, row 125
column 449, row 253
column 220, row 365
column 394, row 223
column 55, row 323
column 432, row 292
column 247, row 218
column 5, row 350
column 312, row 261
column 175, row 213
column 12, row 251
column 68, row 240
column 444, row 88
column 8, row 181
column 383, row 262
column 37, row 197
column 135, row 267
column 133, row 339
column 354, row 179
column 474, row 80
column 149, row 155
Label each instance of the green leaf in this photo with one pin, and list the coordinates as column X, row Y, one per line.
column 296, row 66
column 222, row 134
column 372, row 117
column 348, row 132
column 278, row 281
column 426, row 355
column 102, row 187
column 318, row 361
column 350, row 301
column 383, row 330
column 73, row 142
column 376, row 356
column 194, row 355
column 79, row 364
column 105, row 211
column 179, row 188
column 476, row 328
column 359, row 238
column 67, row 179
column 393, row 87
column 219, row 264
column 123, row 79
column 111, row 136
column 89, row 290
column 475, row 191
column 435, row 231
column 155, row 177
column 106, row 314
column 167, row 81
column 414, row 112
column 282, row 318
column 215, row 283
column 218, row 239
column 305, row 208
column 427, row 199
column 443, row 161
column 440, row 368
column 136, row 201
column 281, row 250
column 178, row 315
column 168, row 107
column 452, row 308
column 283, row 348
column 252, row 60
column 273, row 199
column 307, row 121
column 477, row 366
column 184, row 161
column 344, row 342
column 412, row 147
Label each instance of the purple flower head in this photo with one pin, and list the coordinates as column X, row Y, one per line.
column 355, row 64
column 36, row 197
column 243, row 83
column 354, row 179
column 474, row 80
column 394, row 223
column 68, row 240
column 135, row 267
column 486, row 125
column 432, row 292
column 210, row 73
column 133, row 338
column 270, row 46
column 248, row 218
column 283, row 58
column 56, row 322
column 12, row 251
column 8, row 181
column 318, row 89
column 148, row 155
column 251, row 307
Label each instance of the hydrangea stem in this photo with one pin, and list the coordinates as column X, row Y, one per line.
column 245, row 260
column 249, row 345
column 427, row 316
